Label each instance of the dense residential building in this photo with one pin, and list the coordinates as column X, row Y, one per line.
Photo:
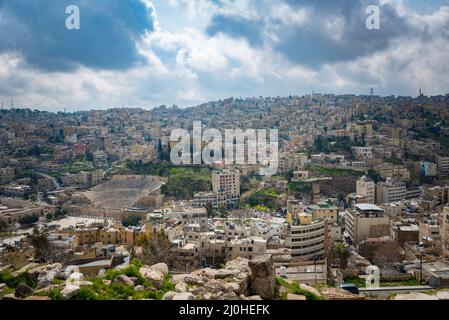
column 194, row 219
column 227, row 182
column 324, row 211
column 445, row 232
column 392, row 171
column 390, row 191
column 443, row 165
column 366, row 188
column 366, row 221
column 363, row 153
column 307, row 239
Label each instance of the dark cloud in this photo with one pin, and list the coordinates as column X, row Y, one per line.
column 237, row 27
column 314, row 43
column 36, row 30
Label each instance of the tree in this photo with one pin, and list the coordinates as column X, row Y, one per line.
column 3, row 225
column 387, row 254
column 343, row 254
column 29, row 219
column 156, row 247
column 132, row 220
column 45, row 251
column 41, row 245
column 60, row 213
column 209, row 209
column 223, row 212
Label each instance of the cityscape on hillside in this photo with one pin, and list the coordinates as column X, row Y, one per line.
column 362, row 184
column 318, row 170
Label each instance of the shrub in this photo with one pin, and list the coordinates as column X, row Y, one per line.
column 118, row 291
column 86, row 293
column 167, row 284
column 12, row 282
column 131, row 220
column 29, row 219
column 131, row 271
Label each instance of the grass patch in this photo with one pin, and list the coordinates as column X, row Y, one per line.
column 299, row 187
column 336, row 172
column 295, row 289
column 263, row 200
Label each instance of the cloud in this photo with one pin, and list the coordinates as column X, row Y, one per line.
column 109, row 30
column 187, row 52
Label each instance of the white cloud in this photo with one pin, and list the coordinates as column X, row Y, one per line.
column 186, row 66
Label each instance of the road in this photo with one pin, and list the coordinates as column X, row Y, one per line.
column 384, row 292
column 56, row 184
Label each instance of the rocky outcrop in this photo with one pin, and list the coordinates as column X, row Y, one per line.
column 25, row 269
column 70, row 291
column 181, row 287
column 23, row 291
column 340, row 294
column 292, row 296
column 240, row 274
column 123, row 279
column 160, row 267
column 263, row 276
column 183, row 296
column 152, row 276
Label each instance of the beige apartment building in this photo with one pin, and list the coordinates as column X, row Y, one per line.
column 367, row 188
column 392, row 171
column 324, row 211
column 390, row 191
column 443, row 165
column 194, row 219
column 307, row 239
column 107, row 236
column 445, row 232
column 228, row 183
column 366, row 221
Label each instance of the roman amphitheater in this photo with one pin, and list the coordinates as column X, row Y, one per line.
column 125, row 192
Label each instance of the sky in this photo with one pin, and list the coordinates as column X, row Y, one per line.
column 145, row 53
